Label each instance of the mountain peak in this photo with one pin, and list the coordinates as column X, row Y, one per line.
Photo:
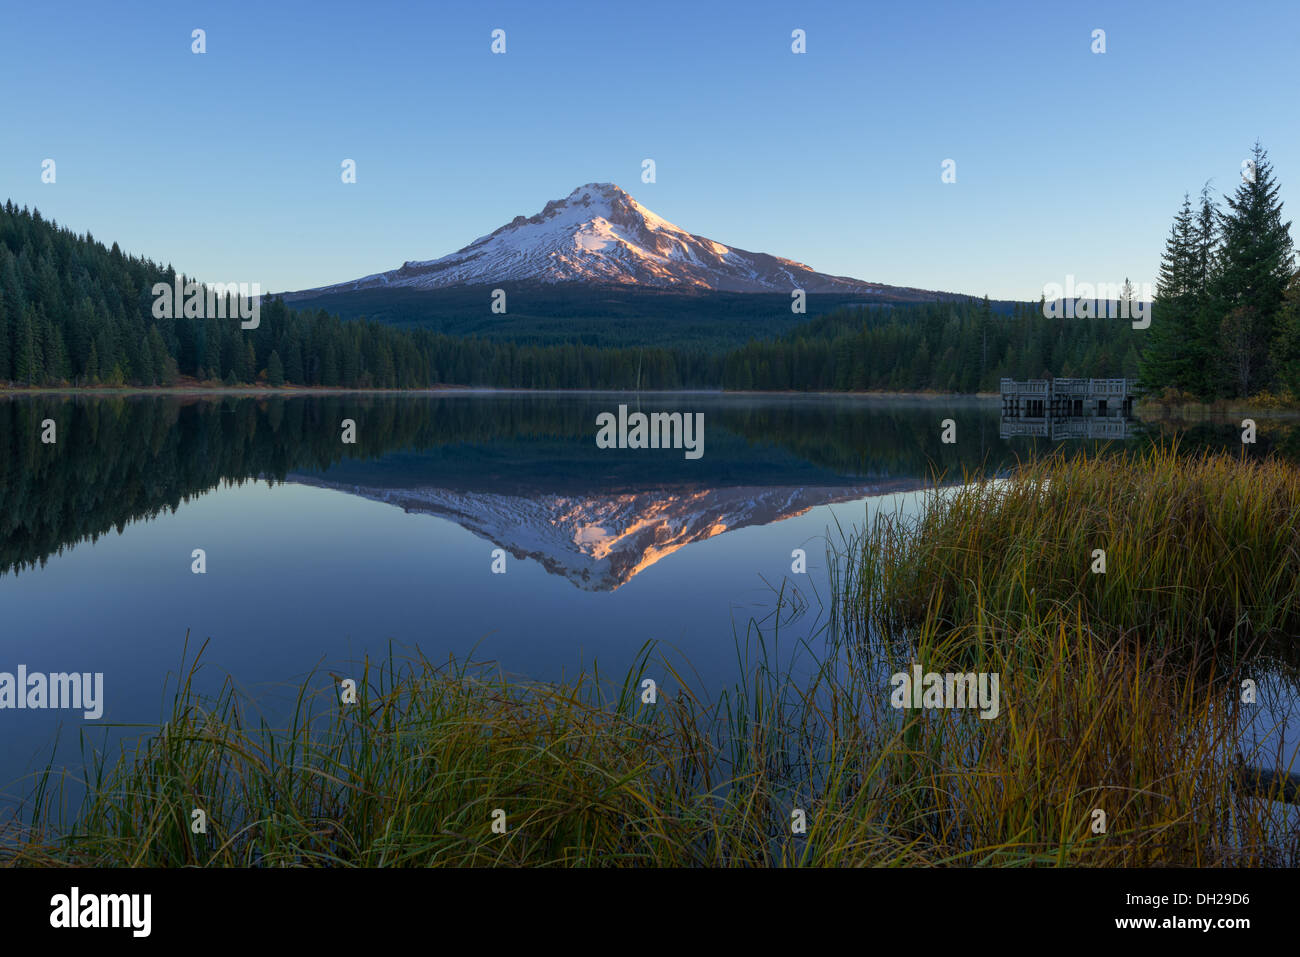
column 600, row 235
column 597, row 200
column 606, row 189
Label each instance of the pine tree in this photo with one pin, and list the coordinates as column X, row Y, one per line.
column 1205, row 237
column 293, row 365
column 1287, row 346
column 55, row 354
column 106, row 354
column 274, row 370
column 1204, row 334
column 985, row 322
column 142, row 369
column 1255, row 263
column 159, row 359
column 26, row 366
column 1172, row 357
column 6, row 366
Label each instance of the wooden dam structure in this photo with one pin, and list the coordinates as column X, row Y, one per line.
column 1067, row 408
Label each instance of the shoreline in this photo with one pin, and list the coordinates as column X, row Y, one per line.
column 199, row 390
column 1151, row 409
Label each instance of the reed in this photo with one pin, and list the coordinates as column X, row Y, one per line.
column 1117, row 696
column 1202, row 553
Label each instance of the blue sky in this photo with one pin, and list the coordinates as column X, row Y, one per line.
column 227, row 164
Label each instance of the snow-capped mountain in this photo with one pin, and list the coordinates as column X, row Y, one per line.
column 600, row 235
column 600, row 542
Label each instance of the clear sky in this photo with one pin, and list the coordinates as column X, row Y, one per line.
column 227, row 164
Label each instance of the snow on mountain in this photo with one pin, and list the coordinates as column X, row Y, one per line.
column 599, row 234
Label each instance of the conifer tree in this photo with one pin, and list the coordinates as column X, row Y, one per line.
column 142, row 370
column 274, row 370
column 55, row 367
column 1287, row 346
column 1255, row 263
column 6, row 366
column 27, row 369
column 1170, row 358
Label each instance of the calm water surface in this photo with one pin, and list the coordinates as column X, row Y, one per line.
column 319, row 552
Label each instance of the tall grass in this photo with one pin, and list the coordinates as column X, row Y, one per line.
column 1201, row 553
column 1115, row 698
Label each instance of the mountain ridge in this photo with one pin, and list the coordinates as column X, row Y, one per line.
column 600, row 236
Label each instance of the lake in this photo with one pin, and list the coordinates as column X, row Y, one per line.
column 479, row 524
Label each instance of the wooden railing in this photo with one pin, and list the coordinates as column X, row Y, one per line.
column 1026, row 387
column 1072, row 387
